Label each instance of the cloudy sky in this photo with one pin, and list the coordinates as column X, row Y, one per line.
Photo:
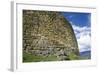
column 81, row 24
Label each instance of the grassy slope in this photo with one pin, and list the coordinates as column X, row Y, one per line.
column 31, row 58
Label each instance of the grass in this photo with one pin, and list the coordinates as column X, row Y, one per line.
column 84, row 58
column 73, row 57
column 27, row 57
column 31, row 58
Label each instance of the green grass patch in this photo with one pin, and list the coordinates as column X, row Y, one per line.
column 32, row 58
column 73, row 57
column 27, row 57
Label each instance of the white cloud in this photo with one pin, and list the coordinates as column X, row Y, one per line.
column 83, row 37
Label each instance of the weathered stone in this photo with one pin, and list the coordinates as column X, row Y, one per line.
column 48, row 33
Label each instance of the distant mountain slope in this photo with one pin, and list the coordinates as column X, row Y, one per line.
column 85, row 55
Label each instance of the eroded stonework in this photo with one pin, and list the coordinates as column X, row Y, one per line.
column 48, row 33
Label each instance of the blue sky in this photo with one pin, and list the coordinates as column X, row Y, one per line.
column 81, row 23
column 79, row 19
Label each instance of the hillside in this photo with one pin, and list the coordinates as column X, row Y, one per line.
column 48, row 36
column 85, row 55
